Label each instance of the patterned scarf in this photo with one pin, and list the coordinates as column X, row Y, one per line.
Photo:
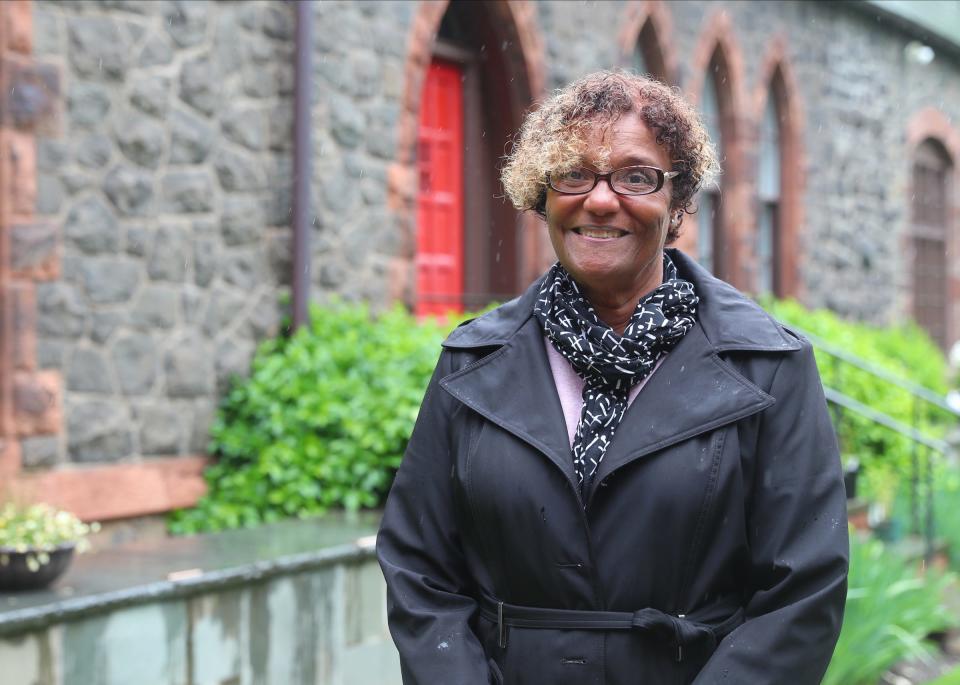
column 610, row 364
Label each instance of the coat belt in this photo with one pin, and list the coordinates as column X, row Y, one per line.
column 679, row 630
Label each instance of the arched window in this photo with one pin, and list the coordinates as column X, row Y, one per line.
column 468, row 249
column 711, row 243
column 647, row 56
column 769, row 191
column 930, row 221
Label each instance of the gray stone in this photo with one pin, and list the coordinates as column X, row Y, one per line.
column 224, row 306
column 246, row 127
column 206, row 260
column 141, row 140
column 161, row 430
column 278, row 22
column 244, row 268
column 266, row 80
column 87, row 104
column 135, row 362
column 192, row 300
column 347, row 122
column 43, row 451
column 155, row 308
column 76, row 180
column 91, row 227
column 51, row 354
column 87, row 372
column 233, row 359
column 264, row 318
column 130, row 190
column 200, row 84
column 60, row 310
column 150, row 94
column 280, row 125
column 188, row 368
column 97, row 431
column 340, row 194
column 156, row 51
column 168, row 255
column 186, row 21
column 242, row 220
column 51, row 154
column 137, row 240
column 187, row 192
column 93, row 151
column 228, row 51
column 97, row 48
column 279, row 246
column 332, row 275
column 238, row 171
column 203, row 414
column 109, row 280
column 105, row 323
column 190, row 138
column 50, row 193
column 48, row 33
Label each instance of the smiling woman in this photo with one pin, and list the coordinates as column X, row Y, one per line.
column 627, row 474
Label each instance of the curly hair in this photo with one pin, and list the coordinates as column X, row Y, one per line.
column 553, row 137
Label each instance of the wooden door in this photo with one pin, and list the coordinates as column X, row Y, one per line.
column 439, row 261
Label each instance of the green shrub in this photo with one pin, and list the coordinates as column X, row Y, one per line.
column 905, row 351
column 321, row 422
column 890, row 611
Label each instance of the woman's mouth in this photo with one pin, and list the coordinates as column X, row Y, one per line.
column 599, row 233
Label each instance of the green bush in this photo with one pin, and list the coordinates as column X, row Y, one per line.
column 321, row 422
column 905, row 351
column 890, row 611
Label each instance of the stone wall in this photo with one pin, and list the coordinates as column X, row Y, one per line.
column 170, row 179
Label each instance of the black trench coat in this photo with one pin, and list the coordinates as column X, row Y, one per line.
column 713, row 541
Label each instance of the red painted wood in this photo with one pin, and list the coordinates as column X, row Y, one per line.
column 439, row 259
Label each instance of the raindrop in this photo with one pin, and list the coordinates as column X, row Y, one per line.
column 504, row 45
column 100, row 64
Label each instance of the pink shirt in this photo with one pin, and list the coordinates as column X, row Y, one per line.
column 570, row 387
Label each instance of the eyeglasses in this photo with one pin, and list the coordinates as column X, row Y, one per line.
column 630, row 180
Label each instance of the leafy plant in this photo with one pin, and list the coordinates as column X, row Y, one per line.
column 905, row 351
column 321, row 422
column 37, row 530
column 891, row 609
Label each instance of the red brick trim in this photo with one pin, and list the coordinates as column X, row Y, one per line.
column 99, row 493
column 776, row 76
column 402, row 176
column 718, row 37
column 636, row 17
column 925, row 124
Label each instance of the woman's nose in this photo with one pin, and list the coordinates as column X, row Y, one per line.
column 602, row 199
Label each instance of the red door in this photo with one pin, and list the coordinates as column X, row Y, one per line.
column 440, row 200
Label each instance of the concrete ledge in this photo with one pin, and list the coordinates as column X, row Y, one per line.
column 149, row 572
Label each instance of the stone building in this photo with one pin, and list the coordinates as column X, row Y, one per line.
column 146, row 186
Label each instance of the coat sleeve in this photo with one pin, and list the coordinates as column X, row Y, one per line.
column 419, row 552
column 797, row 532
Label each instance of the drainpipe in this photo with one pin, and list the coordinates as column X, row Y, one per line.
column 302, row 152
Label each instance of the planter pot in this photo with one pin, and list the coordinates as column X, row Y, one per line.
column 16, row 576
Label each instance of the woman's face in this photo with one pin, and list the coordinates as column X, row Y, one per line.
column 626, row 259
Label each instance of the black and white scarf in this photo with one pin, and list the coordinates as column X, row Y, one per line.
column 609, row 364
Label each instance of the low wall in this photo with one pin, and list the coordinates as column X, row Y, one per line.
column 291, row 604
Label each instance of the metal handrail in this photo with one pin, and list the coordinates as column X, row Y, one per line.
column 847, row 402
column 913, row 388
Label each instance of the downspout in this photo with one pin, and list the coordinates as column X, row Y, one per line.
column 302, row 153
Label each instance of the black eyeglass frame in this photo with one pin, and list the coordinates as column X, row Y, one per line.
column 662, row 177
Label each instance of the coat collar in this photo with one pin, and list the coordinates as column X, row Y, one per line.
column 729, row 320
column 692, row 392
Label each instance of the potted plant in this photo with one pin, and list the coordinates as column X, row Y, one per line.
column 37, row 543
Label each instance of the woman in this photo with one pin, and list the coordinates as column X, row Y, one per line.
column 628, row 474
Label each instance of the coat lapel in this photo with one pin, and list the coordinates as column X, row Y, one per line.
column 691, row 393
column 513, row 387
